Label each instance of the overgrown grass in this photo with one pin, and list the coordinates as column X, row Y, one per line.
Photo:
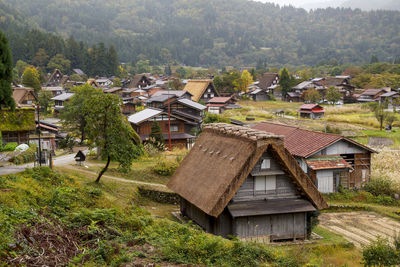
column 105, row 229
column 386, row 164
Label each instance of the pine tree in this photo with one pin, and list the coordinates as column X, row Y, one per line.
column 113, row 62
column 6, row 91
column 285, row 81
column 374, row 59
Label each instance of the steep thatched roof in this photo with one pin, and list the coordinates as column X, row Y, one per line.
column 22, row 119
column 221, row 160
column 197, row 88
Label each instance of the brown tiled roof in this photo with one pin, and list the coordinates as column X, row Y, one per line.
column 310, row 106
column 217, row 100
column 327, row 162
column 303, row 143
column 266, row 80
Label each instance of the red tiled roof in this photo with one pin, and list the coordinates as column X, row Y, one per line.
column 299, row 142
column 327, row 162
column 310, row 106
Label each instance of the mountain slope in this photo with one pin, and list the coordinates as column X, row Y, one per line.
column 373, row 4
column 220, row 32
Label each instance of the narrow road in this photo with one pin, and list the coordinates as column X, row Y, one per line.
column 58, row 161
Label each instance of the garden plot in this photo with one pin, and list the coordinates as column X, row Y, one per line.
column 360, row 227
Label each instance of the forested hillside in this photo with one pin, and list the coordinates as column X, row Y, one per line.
column 373, row 4
column 218, row 32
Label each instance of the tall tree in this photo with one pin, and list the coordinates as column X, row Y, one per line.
column 31, row 78
column 41, row 58
column 74, row 116
column 111, row 132
column 379, row 112
column 333, row 95
column 45, row 100
column 113, row 62
column 6, row 91
column 242, row 84
column 59, row 62
column 285, row 81
column 312, row 96
column 374, row 59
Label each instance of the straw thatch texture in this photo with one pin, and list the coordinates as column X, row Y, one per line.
column 220, row 161
column 197, row 88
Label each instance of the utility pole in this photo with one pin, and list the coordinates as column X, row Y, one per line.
column 38, row 128
column 169, row 122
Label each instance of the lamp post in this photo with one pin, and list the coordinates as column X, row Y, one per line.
column 38, row 128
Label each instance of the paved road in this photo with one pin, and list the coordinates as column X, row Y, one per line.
column 58, row 161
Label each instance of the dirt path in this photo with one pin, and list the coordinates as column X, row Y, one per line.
column 161, row 186
column 360, row 227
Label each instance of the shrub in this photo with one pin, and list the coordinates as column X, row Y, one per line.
column 212, row 118
column 380, row 186
column 380, row 253
column 25, row 157
column 165, row 167
column 10, row 147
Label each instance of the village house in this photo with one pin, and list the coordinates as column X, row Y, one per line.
column 143, row 120
column 371, row 95
column 56, row 79
column 311, row 111
column 268, row 82
column 24, row 97
column 60, row 100
column 79, row 72
column 391, row 99
column 58, row 90
column 260, row 95
column 294, row 97
column 114, row 90
column 343, row 84
column 104, row 82
column 93, row 83
column 180, row 106
column 217, row 105
column 201, row 90
column 243, row 182
column 138, row 81
column 329, row 159
column 48, row 135
column 178, row 93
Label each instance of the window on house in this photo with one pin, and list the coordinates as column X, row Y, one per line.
column 266, row 164
column 209, row 90
column 212, row 95
column 205, row 95
column 265, row 183
column 364, row 175
column 174, row 128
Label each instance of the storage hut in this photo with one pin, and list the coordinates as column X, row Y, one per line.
column 243, row 182
column 311, row 111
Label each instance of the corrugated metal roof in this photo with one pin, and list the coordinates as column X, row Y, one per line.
column 192, row 104
column 63, row 97
column 327, row 162
column 268, row 207
column 144, row 115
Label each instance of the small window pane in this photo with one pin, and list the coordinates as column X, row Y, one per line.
column 266, row 164
column 259, row 183
column 270, row 182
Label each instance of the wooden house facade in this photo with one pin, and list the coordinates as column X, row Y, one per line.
column 329, row 159
column 260, row 95
column 243, row 182
column 142, row 122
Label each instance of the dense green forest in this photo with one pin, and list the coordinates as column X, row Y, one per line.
column 206, row 32
column 373, row 4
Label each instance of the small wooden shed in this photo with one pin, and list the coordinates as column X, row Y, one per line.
column 80, row 157
column 311, row 111
column 243, row 182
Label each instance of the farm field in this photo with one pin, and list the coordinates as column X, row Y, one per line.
column 360, row 227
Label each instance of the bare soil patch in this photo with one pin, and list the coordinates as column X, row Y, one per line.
column 360, row 227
